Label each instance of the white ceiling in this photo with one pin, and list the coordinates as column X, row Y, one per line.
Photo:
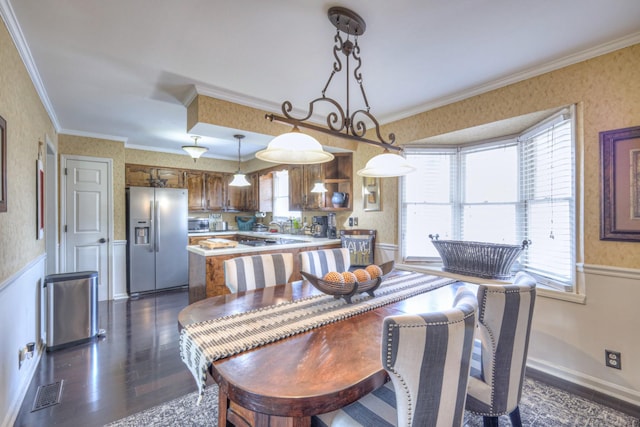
column 124, row 69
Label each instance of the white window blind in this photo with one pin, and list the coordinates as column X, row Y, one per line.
column 504, row 191
column 428, row 201
column 548, row 189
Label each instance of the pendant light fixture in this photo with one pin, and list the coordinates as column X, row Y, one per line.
column 319, row 187
column 195, row 150
column 297, row 148
column 239, row 179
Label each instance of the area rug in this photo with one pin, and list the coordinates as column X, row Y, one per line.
column 541, row 406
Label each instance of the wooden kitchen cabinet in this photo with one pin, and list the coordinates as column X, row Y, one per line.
column 214, row 191
column 240, row 198
column 138, row 175
column 337, row 175
column 301, row 180
column 195, row 187
column 296, row 188
column 206, row 190
column 152, row 176
column 170, row 177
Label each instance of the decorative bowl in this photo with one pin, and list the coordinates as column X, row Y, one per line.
column 347, row 290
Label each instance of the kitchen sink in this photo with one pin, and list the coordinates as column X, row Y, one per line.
column 252, row 242
column 288, row 241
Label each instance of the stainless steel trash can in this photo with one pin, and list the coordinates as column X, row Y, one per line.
column 72, row 308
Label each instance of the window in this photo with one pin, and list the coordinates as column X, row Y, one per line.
column 503, row 191
column 281, row 196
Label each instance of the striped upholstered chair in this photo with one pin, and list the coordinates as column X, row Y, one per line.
column 323, row 261
column 428, row 359
column 500, row 349
column 257, row 271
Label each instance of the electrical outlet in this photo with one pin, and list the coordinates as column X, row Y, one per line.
column 25, row 352
column 613, row 359
column 350, row 222
column 355, row 221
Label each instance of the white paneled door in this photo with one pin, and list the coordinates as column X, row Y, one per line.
column 86, row 228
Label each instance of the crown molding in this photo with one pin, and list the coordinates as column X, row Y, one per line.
column 9, row 18
column 565, row 61
column 95, row 135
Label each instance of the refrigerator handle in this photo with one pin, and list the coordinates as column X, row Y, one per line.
column 152, row 231
column 157, row 226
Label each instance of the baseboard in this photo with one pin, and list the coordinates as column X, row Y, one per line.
column 596, row 386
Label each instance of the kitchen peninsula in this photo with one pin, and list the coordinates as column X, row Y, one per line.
column 206, row 271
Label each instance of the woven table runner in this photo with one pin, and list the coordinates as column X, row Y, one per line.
column 203, row 343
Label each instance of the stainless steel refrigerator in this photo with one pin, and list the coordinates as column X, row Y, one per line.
column 157, row 239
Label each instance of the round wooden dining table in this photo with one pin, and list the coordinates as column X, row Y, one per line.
column 286, row 382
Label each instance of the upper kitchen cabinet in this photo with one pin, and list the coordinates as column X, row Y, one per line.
column 215, row 191
column 195, row 189
column 242, row 198
column 152, row 176
column 206, row 190
column 173, row 178
column 338, row 177
column 301, row 181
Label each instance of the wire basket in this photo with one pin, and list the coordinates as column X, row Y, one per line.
column 479, row 259
column 245, row 223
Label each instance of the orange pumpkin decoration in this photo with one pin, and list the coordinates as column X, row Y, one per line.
column 362, row 275
column 349, row 277
column 333, row 276
column 374, row 271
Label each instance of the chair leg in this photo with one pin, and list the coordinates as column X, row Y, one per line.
column 490, row 421
column 514, row 416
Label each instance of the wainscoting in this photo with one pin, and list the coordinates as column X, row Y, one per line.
column 20, row 323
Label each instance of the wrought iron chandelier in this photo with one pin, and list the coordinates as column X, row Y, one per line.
column 341, row 122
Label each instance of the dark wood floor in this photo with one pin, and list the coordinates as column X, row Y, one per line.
column 136, row 366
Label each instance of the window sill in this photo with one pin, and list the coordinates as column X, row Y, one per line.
column 541, row 289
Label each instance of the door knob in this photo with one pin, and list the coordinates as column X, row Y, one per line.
column 103, row 240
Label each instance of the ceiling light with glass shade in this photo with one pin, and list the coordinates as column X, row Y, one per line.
column 386, row 165
column 295, row 147
column 239, row 179
column 195, row 150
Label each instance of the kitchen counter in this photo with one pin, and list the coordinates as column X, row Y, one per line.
column 301, row 241
column 206, row 266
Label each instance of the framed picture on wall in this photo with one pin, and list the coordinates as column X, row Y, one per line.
column 371, row 193
column 3, row 165
column 39, row 199
column 620, row 184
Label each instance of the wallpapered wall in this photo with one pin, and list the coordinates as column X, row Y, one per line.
column 27, row 125
column 86, row 146
column 607, row 91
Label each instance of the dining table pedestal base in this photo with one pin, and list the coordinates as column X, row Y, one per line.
column 242, row 417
